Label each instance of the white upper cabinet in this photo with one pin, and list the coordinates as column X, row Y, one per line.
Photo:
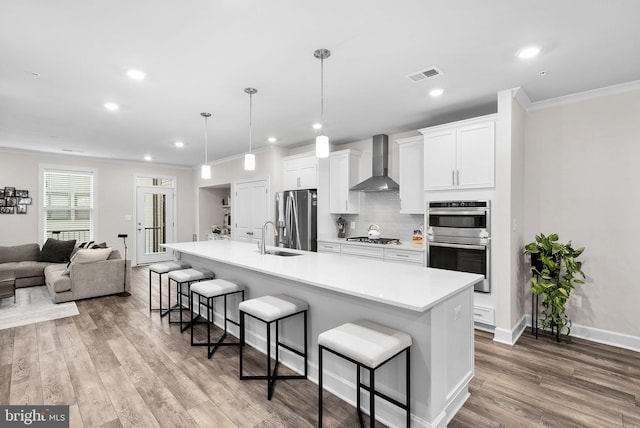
column 300, row 172
column 343, row 173
column 460, row 155
column 411, row 162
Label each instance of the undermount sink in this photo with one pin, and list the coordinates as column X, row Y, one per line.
column 281, row 253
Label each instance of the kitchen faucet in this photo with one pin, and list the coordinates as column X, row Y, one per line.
column 262, row 243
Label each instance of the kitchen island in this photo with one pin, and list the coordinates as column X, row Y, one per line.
column 433, row 306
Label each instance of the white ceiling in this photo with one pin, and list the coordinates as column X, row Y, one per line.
column 200, row 55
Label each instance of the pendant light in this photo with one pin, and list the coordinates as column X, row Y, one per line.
column 250, row 158
column 205, row 172
column 322, row 141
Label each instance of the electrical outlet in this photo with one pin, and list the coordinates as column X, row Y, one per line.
column 576, row 300
column 353, row 225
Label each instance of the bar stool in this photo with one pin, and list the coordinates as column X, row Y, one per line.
column 269, row 310
column 368, row 345
column 210, row 290
column 161, row 269
column 180, row 277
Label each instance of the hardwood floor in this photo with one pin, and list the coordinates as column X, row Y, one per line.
column 117, row 365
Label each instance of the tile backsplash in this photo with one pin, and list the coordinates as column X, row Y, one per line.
column 383, row 209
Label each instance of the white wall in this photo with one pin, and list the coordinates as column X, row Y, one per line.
column 115, row 196
column 581, row 174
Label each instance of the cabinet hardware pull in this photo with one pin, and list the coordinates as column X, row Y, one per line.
column 458, row 177
column 346, row 205
column 453, row 177
column 249, row 233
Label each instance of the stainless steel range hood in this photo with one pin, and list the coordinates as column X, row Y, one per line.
column 379, row 181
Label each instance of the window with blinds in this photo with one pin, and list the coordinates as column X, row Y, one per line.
column 68, row 205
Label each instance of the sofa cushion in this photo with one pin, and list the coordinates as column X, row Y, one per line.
column 56, row 251
column 29, row 268
column 55, row 279
column 83, row 256
column 8, row 267
column 19, row 253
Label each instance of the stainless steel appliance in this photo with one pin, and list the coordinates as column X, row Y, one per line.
column 366, row 239
column 459, row 238
column 296, row 219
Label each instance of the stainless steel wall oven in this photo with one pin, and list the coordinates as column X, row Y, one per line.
column 459, row 238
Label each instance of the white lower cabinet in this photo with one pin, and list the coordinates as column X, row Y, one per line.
column 404, row 256
column 328, row 247
column 484, row 315
column 392, row 255
column 362, row 251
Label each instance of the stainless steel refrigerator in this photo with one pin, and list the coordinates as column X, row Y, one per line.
column 297, row 219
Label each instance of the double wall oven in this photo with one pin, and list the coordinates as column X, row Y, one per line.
column 459, row 238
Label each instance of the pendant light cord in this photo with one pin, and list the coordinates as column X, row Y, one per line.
column 250, row 118
column 322, row 91
column 206, row 140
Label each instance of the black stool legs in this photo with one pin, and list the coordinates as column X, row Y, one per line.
column 272, row 376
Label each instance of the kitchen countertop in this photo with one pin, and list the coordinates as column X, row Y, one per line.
column 410, row 287
column 404, row 244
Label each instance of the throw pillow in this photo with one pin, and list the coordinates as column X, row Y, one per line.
column 56, row 251
column 88, row 255
column 100, row 245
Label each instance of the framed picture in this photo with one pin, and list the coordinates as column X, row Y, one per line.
column 7, row 210
column 2, row 193
column 12, row 201
column 21, row 209
column 9, row 191
column 24, row 201
column 22, row 193
column 3, row 202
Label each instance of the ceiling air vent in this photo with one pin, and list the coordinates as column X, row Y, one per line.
column 424, row 74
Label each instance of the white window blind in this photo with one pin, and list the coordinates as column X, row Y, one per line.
column 68, row 205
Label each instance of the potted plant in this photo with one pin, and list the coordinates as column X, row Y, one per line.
column 556, row 271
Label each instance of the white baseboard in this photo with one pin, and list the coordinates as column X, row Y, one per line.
column 619, row 340
column 510, row 337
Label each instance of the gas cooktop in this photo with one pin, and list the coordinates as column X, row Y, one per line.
column 383, row 241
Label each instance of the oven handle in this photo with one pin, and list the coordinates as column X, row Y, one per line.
column 476, row 212
column 461, row 246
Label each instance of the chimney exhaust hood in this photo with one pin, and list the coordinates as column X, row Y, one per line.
column 379, row 181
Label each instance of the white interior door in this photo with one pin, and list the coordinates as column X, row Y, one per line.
column 251, row 209
column 154, row 224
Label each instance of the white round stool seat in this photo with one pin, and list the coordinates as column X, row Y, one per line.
column 271, row 308
column 165, row 267
column 189, row 275
column 364, row 341
column 214, row 287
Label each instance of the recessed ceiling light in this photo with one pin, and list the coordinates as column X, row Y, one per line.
column 179, row 144
column 111, row 106
column 436, row 92
column 148, row 158
column 528, row 52
column 317, row 126
column 272, row 139
column 136, row 74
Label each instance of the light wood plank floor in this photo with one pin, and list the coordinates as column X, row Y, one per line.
column 117, row 365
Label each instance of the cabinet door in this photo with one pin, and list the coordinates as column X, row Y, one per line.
column 291, row 177
column 309, row 176
column 475, row 155
column 440, row 160
column 342, row 175
column 412, row 177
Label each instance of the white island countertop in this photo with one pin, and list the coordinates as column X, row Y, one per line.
column 411, row 287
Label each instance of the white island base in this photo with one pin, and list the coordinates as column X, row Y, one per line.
column 434, row 306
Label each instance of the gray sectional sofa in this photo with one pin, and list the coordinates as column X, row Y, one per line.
column 81, row 280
